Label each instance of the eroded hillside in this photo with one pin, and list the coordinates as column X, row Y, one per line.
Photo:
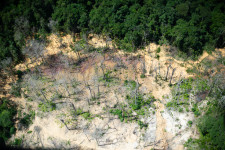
column 90, row 95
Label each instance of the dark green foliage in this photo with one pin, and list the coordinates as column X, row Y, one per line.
column 20, row 19
column 212, row 124
column 70, row 16
column 191, row 144
column 158, row 50
column 157, row 56
column 142, row 76
column 142, row 125
column 212, row 128
column 191, row 26
column 17, row 141
column 7, row 113
column 190, row 123
column 27, row 119
column 19, row 73
column 195, row 110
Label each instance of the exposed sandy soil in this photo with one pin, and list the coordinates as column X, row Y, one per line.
column 162, row 133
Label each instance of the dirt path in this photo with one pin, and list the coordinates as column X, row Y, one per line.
column 161, row 136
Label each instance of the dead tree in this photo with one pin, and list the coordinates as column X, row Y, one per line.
column 87, row 85
column 65, row 85
column 64, row 81
column 136, row 79
column 145, row 36
column 37, row 49
column 173, row 70
column 36, row 86
column 178, row 88
column 159, row 68
column 136, row 91
column 167, row 72
column 151, row 68
column 143, row 66
column 96, row 72
column 156, row 79
column 89, row 88
column 102, row 66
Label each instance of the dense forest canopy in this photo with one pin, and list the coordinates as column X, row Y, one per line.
column 191, row 26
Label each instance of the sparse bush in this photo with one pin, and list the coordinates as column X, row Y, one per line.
column 142, row 76
column 118, row 112
column 48, row 106
column 142, row 124
column 87, row 116
column 17, row 141
column 190, row 123
column 158, row 50
column 181, row 110
column 107, row 76
column 195, row 110
column 130, row 83
column 157, row 56
column 27, row 119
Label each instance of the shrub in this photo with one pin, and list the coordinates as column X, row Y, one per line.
column 19, row 73
column 87, row 115
column 17, row 141
column 117, row 112
column 190, row 123
column 142, row 76
column 157, row 56
column 158, row 50
column 27, row 118
column 180, row 110
column 195, row 110
column 7, row 113
column 107, row 76
column 46, row 107
column 142, row 124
